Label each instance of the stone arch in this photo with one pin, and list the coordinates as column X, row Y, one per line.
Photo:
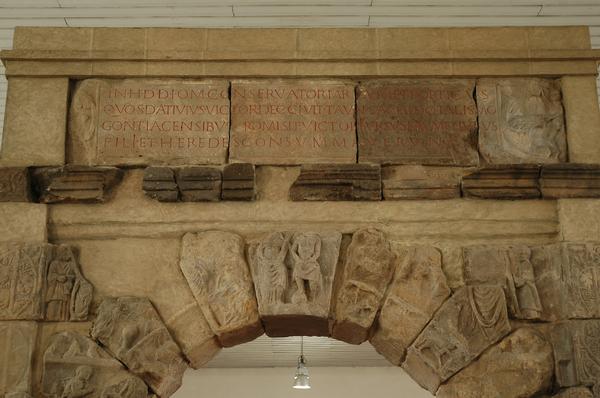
column 479, row 339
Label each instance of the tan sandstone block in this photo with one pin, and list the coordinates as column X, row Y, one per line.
column 176, row 39
column 119, row 39
column 251, row 43
column 521, row 365
column 35, row 122
column 399, row 40
column 579, row 219
column 52, row 38
column 23, row 222
column 501, row 38
column 118, row 68
column 150, row 268
column 349, row 42
column 580, row 100
column 559, row 38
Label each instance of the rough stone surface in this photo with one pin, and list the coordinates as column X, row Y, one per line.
column 410, row 121
column 199, row 184
column 75, row 184
column 132, row 331
column 417, row 290
column 120, row 122
column 575, row 392
column 215, row 267
column 368, row 268
column 34, row 125
column 239, row 182
column 159, row 183
column 15, row 184
column 570, row 181
column 23, row 222
column 292, row 121
column 337, row 182
column 42, row 282
column 581, row 273
column 510, row 267
column 577, row 352
column 421, row 182
column 503, row 182
column 473, row 319
column 16, row 355
column 293, row 276
column 149, row 267
column 75, row 366
column 521, row 365
column 521, row 121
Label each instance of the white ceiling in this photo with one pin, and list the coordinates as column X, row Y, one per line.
column 266, row 352
column 284, row 351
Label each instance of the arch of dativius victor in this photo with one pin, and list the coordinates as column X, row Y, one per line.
column 168, row 192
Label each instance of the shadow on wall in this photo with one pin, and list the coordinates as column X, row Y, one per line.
column 329, row 382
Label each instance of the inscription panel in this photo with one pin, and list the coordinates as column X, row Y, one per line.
column 118, row 122
column 292, row 122
column 409, row 121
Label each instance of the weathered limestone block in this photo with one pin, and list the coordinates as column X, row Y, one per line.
column 15, row 184
column 417, row 121
column 293, row 276
column 577, row 352
column 34, row 125
column 145, row 121
column 521, row 121
column 421, row 182
column 503, row 182
column 368, row 268
column 239, row 182
column 416, row 292
column 509, row 267
column 23, row 222
column 473, row 319
column 570, row 181
column 75, row 184
column 199, row 184
column 159, row 183
column 337, row 182
column 575, row 392
column 42, row 282
column 582, row 116
column 547, row 262
column 292, row 121
column 75, row 366
column 132, row 331
column 16, row 354
column 581, row 273
column 215, row 267
column 521, row 365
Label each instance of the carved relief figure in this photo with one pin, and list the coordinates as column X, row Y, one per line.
column 75, row 366
column 533, row 117
column 510, row 267
column 474, row 318
column 215, row 267
column 306, row 250
column 271, row 254
column 581, row 268
column 61, row 280
column 133, row 332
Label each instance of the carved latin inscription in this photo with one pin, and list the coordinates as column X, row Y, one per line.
column 405, row 121
column 292, row 121
column 214, row 265
column 116, row 122
column 521, row 121
column 293, row 277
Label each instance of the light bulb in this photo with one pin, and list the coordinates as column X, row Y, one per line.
column 301, row 379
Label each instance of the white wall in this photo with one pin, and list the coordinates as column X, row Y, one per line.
column 373, row 382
